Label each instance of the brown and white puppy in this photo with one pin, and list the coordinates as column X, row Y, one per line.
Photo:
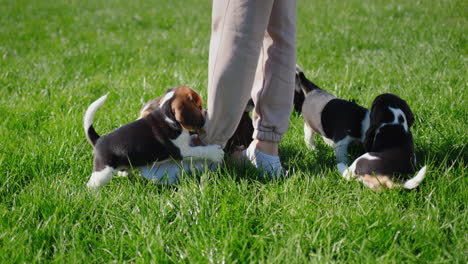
column 162, row 134
column 241, row 138
column 389, row 144
column 338, row 121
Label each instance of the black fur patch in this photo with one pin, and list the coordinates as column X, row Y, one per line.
column 341, row 118
column 303, row 86
column 394, row 146
column 138, row 143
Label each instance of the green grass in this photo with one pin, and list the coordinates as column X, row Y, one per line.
column 56, row 57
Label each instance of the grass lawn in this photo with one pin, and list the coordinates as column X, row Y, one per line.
column 56, row 57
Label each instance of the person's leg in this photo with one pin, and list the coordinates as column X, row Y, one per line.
column 238, row 28
column 274, row 85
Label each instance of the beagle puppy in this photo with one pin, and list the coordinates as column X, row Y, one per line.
column 241, row 138
column 148, row 107
column 162, row 134
column 389, row 145
column 338, row 121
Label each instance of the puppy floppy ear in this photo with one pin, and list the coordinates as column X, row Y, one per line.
column 374, row 122
column 188, row 111
column 369, row 139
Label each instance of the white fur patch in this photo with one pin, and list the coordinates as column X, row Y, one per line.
column 298, row 69
column 167, row 97
column 99, row 178
column 350, row 173
column 365, row 126
column 182, row 141
column 91, row 111
column 397, row 113
column 341, row 167
column 328, row 141
column 368, row 156
column 210, row 152
column 309, row 136
column 122, row 173
column 416, row 180
column 170, row 121
column 341, row 149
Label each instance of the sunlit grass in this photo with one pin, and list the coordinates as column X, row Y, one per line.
column 56, row 57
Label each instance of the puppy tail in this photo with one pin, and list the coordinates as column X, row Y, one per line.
column 91, row 134
column 416, row 180
column 306, row 85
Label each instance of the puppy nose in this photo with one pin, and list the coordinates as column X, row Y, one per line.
column 204, row 113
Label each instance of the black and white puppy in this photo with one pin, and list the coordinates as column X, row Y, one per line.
column 161, row 134
column 389, row 145
column 338, row 121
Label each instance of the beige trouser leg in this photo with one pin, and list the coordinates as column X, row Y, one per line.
column 273, row 89
column 247, row 34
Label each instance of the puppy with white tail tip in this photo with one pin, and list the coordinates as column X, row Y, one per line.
column 338, row 121
column 161, row 135
column 390, row 157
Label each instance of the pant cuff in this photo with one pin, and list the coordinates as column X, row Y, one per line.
column 267, row 136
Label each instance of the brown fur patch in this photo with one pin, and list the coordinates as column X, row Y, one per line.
column 149, row 107
column 377, row 182
column 188, row 108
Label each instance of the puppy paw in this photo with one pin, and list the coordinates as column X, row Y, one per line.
column 346, row 172
column 99, row 178
column 122, row 173
column 341, row 168
column 93, row 184
column 215, row 153
column 310, row 146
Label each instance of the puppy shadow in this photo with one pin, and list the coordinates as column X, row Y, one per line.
column 298, row 157
column 295, row 157
column 244, row 172
column 445, row 155
column 135, row 178
column 236, row 172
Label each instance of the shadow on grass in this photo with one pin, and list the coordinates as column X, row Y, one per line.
column 296, row 157
column 236, row 172
column 315, row 161
column 446, row 155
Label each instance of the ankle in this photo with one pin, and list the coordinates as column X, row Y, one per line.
column 267, row 147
